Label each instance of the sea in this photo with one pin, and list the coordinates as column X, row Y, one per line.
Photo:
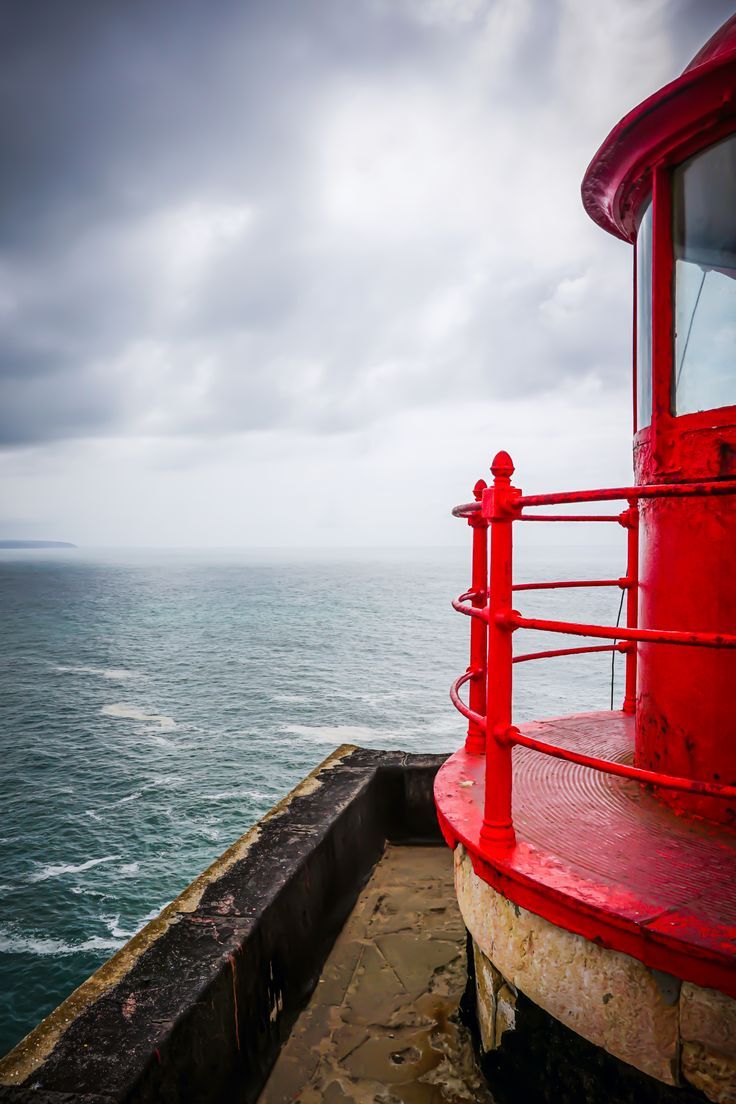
column 154, row 704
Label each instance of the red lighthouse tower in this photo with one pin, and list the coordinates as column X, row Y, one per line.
column 596, row 854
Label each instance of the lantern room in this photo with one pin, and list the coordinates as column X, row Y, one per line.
column 595, row 854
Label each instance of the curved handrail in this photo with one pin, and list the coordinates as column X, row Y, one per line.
column 569, row 517
column 622, row 770
column 606, row 494
column 494, row 608
column 570, row 651
column 611, row 632
column 458, row 702
column 622, row 583
column 466, row 509
column 644, row 490
column 481, row 612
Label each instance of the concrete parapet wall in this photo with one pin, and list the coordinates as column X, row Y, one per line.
column 196, row 1006
column 674, row 1032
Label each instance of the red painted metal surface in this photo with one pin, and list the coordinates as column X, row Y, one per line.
column 514, row 620
column 662, row 305
column 476, row 736
column 601, row 856
column 497, row 828
column 631, row 524
column 720, row 45
column 552, row 654
column 568, row 517
column 501, row 505
column 678, row 640
column 494, row 839
column 685, row 114
column 621, row 770
column 565, row 583
column 470, row 714
column 686, row 713
column 703, row 488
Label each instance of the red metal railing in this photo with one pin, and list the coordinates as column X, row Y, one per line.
column 488, row 603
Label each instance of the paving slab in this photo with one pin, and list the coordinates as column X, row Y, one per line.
column 383, row 1024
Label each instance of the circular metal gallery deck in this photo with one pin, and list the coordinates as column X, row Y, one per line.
column 602, row 856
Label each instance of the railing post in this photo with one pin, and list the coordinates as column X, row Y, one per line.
column 499, row 508
column 632, row 602
column 475, row 743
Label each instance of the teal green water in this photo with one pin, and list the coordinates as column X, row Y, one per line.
column 154, row 705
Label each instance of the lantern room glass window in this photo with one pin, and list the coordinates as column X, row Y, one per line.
column 704, row 242
column 644, row 320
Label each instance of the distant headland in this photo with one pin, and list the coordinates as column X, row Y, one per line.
column 35, row 544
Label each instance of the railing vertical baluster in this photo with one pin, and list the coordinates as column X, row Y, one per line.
column 497, row 821
column 632, row 602
column 475, row 742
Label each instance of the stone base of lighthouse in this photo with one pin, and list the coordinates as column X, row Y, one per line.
column 562, row 1018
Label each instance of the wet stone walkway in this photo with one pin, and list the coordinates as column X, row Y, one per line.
column 382, row 1024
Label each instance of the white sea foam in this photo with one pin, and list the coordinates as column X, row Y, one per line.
column 59, row 870
column 334, row 734
column 124, row 800
column 12, row 942
column 112, row 923
column 129, row 868
column 95, row 815
column 229, row 795
column 113, row 674
column 124, row 711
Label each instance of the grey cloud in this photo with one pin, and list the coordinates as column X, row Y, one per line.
column 171, row 263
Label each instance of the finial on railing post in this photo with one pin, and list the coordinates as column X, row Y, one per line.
column 502, row 466
column 475, row 742
column 499, row 509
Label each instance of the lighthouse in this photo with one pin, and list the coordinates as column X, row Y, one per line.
column 595, row 854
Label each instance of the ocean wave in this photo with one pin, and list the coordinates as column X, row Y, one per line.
column 113, row 674
column 229, row 795
column 12, row 942
column 129, row 868
column 124, row 800
column 123, row 711
column 335, row 734
column 57, row 871
column 94, row 814
column 112, row 923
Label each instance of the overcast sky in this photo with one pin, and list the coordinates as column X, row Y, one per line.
column 291, row 272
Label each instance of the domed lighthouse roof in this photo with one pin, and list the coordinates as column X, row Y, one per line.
column 688, row 113
column 722, row 44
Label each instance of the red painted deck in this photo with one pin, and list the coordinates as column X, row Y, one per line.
column 602, row 856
